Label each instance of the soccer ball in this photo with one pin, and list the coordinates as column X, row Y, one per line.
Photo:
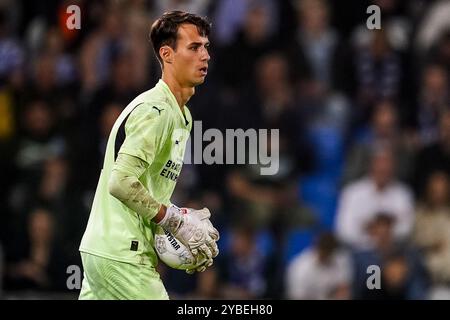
column 172, row 252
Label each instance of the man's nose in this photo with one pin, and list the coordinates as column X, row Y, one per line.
column 205, row 55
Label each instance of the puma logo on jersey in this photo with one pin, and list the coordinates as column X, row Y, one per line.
column 159, row 110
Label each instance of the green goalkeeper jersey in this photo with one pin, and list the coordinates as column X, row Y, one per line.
column 156, row 131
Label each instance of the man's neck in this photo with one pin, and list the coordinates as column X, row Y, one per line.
column 384, row 245
column 182, row 94
column 380, row 186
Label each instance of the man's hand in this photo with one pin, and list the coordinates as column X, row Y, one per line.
column 194, row 230
column 204, row 215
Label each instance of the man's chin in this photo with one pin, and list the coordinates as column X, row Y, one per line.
column 198, row 82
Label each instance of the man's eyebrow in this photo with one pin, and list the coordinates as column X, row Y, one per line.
column 199, row 43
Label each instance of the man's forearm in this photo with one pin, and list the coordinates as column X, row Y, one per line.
column 124, row 185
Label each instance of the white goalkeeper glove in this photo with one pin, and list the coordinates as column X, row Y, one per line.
column 204, row 215
column 193, row 229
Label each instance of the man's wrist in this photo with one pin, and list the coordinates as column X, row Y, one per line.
column 161, row 214
column 172, row 219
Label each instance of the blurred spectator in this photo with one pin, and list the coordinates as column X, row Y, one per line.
column 119, row 89
column 433, row 25
column 54, row 181
column 43, row 82
column 38, row 142
column 378, row 72
column 321, row 122
column 320, row 272
column 397, row 26
column 440, row 52
column 316, row 51
column 65, row 68
column 435, row 156
column 206, row 285
column 271, row 104
column 53, row 77
column 98, row 48
column 242, row 268
column 230, row 16
column 56, row 192
column 142, row 68
column 384, row 130
column 402, row 274
column 12, row 55
column 268, row 202
column 273, row 89
column 379, row 191
column 48, row 83
column 271, row 200
column 40, row 139
column 432, row 233
column 238, row 59
column 433, row 101
column 39, row 263
column 97, row 135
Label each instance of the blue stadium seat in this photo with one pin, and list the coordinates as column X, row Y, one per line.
column 297, row 241
column 319, row 192
column 328, row 144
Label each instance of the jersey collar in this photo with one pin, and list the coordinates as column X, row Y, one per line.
column 173, row 101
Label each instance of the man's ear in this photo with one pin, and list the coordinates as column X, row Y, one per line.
column 166, row 54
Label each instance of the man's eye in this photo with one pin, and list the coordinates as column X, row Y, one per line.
column 194, row 48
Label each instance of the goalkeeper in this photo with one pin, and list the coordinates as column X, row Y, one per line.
column 143, row 159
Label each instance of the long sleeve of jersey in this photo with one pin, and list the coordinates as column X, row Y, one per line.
column 124, row 185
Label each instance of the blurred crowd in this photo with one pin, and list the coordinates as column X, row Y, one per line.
column 364, row 120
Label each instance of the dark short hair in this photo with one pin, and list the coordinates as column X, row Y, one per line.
column 386, row 218
column 326, row 242
column 164, row 31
